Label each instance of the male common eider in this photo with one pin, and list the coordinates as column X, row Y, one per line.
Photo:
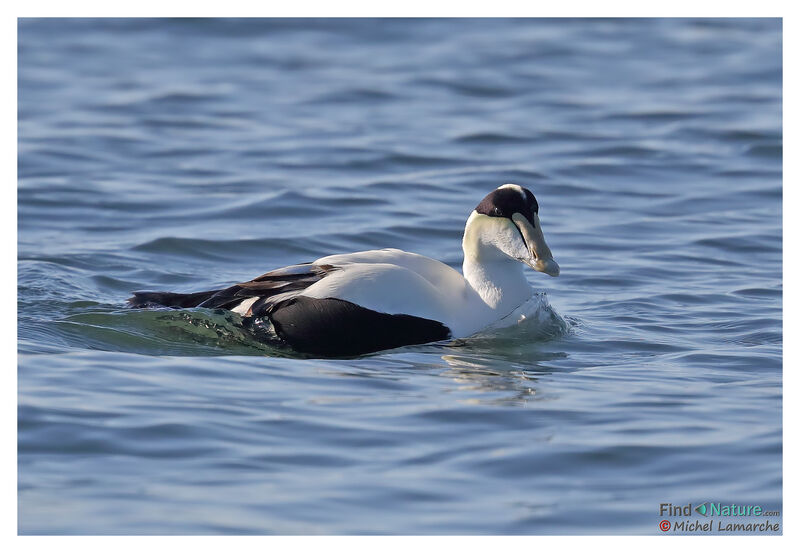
column 361, row 302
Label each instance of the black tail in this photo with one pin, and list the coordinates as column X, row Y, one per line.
column 169, row 299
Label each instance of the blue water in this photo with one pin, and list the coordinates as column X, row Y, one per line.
column 190, row 154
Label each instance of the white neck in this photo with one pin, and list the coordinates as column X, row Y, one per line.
column 501, row 284
column 498, row 279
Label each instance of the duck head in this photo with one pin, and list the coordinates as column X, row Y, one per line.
column 506, row 225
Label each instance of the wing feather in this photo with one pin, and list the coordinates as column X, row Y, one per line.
column 284, row 282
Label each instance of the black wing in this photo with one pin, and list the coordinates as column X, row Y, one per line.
column 279, row 284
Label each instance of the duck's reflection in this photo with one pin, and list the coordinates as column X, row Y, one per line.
column 516, row 371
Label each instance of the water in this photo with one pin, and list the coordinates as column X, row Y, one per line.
column 190, row 154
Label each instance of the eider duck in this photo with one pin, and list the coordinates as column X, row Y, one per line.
column 362, row 302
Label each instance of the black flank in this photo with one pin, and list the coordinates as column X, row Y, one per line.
column 334, row 327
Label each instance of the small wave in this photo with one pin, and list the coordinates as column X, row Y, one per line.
column 533, row 321
column 167, row 332
column 774, row 151
column 467, row 88
column 490, row 138
column 652, row 116
column 164, row 99
column 619, row 151
column 226, row 249
column 536, row 318
column 357, row 96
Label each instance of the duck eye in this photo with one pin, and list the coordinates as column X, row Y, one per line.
column 497, row 211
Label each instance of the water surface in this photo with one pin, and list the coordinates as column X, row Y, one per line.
column 190, row 154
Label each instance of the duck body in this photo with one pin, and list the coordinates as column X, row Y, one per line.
column 361, row 302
